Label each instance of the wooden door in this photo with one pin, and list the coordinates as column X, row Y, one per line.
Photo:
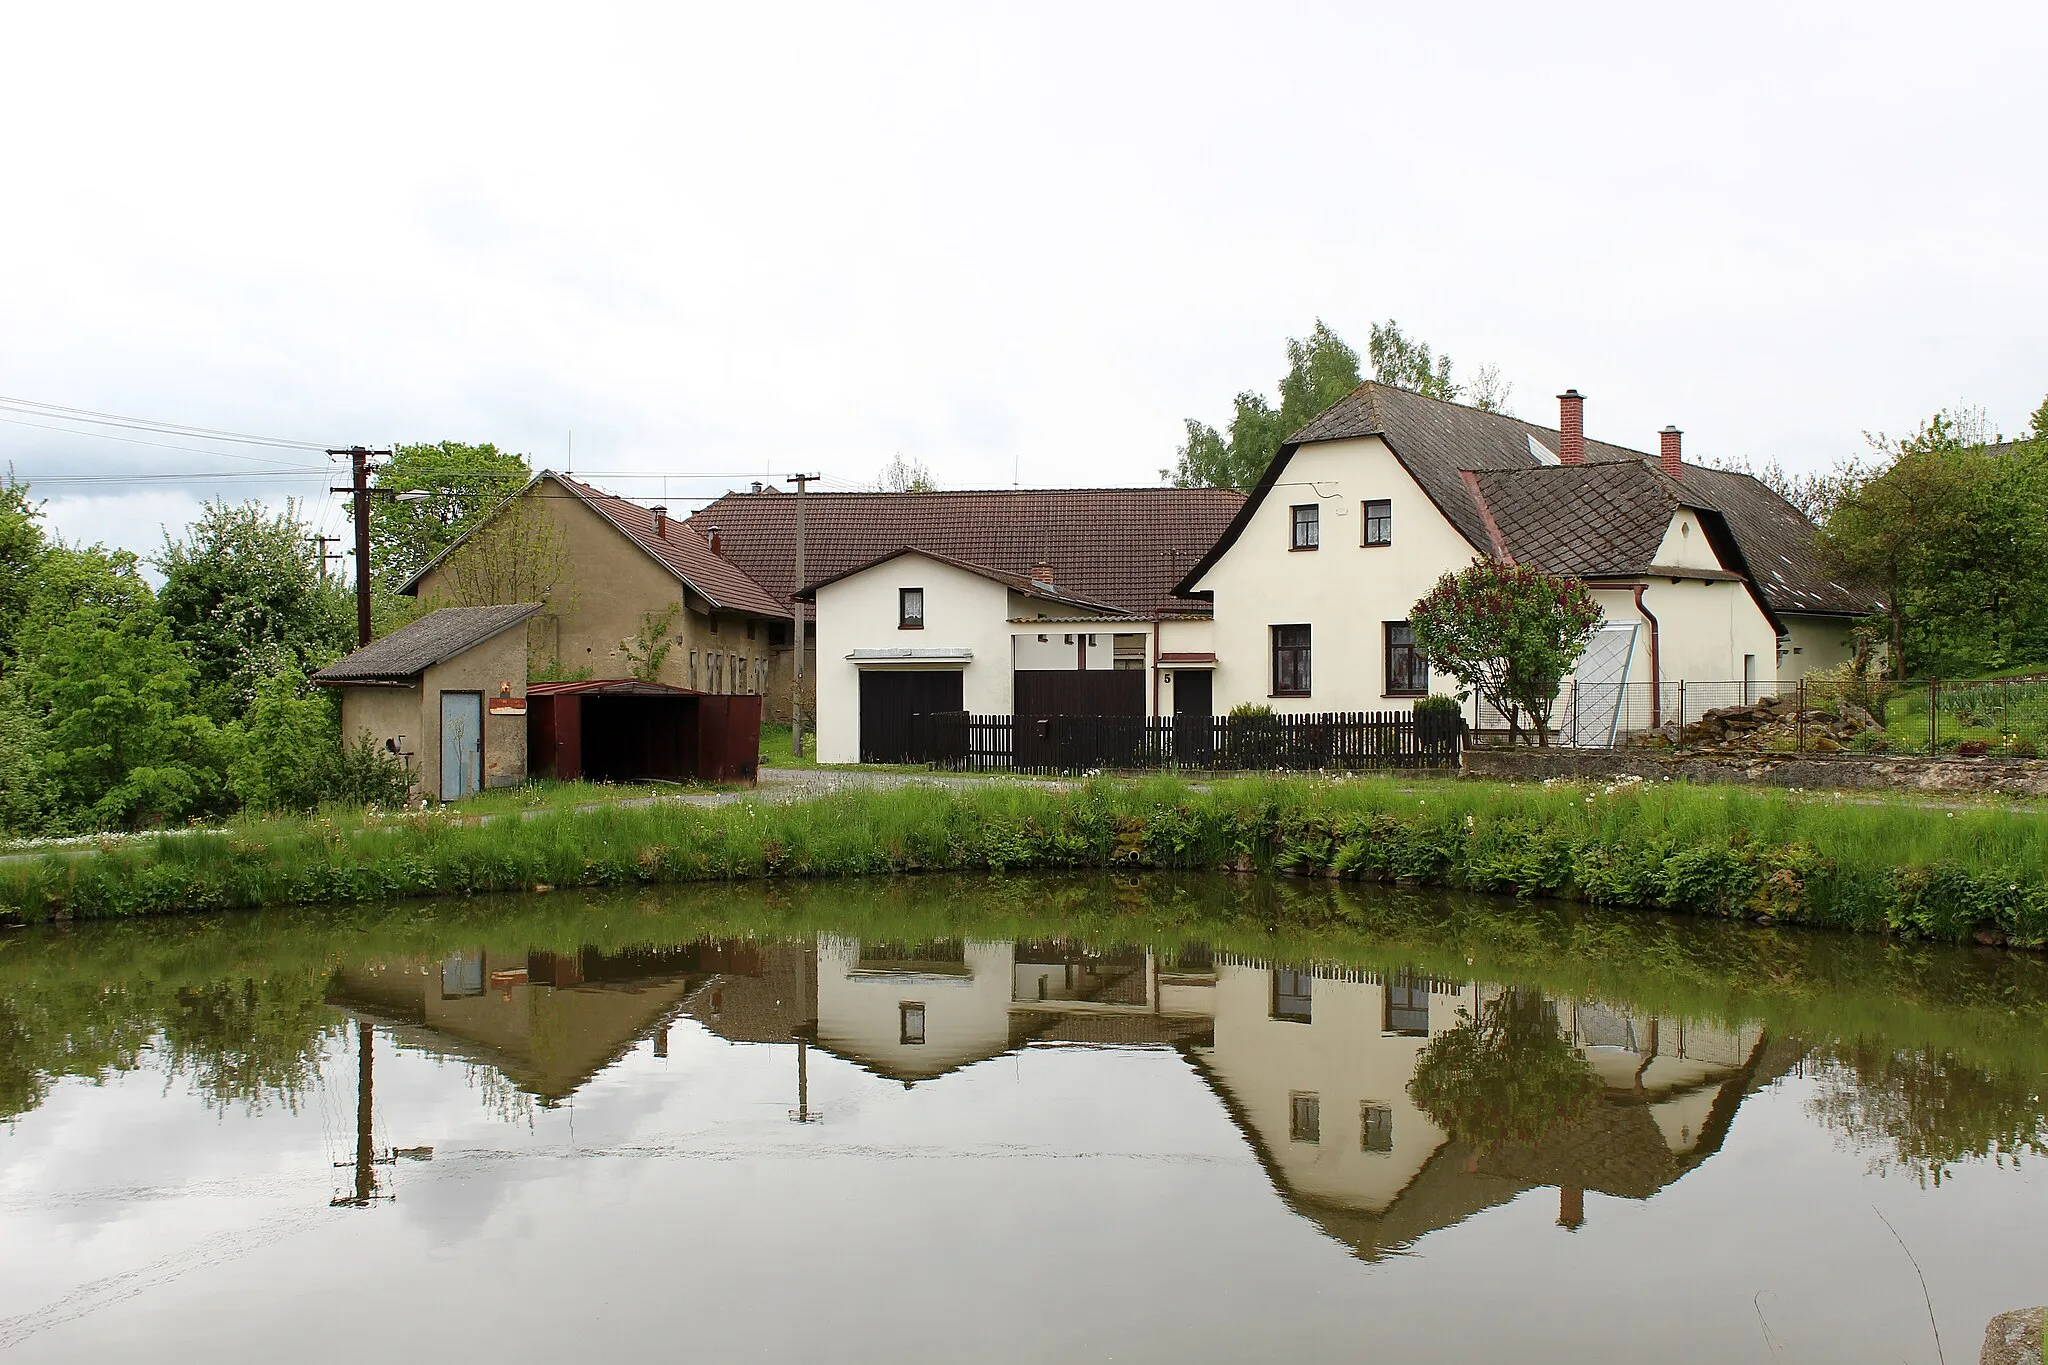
column 887, row 702
column 462, row 744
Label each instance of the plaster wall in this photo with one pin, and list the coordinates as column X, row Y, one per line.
column 1814, row 642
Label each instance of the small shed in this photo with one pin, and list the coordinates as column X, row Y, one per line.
column 625, row 730
column 446, row 694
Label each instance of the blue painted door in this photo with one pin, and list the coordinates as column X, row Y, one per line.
column 462, row 744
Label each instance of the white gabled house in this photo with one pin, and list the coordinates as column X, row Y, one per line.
column 1703, row 575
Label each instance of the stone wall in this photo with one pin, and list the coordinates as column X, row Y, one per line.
column 2011, row 776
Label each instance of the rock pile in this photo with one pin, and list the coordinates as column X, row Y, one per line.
column 1775, row 723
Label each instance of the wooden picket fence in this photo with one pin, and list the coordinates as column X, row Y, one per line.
column 1354, row 740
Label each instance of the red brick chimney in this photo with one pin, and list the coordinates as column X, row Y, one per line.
column 1041, row 574
column 661, row 522
column 1667, row 452
column 1571, row 427
column 717, row 539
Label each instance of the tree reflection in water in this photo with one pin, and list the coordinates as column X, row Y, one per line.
column 1920, row 1111
column 1504, row 1075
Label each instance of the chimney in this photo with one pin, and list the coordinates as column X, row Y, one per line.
column 1041, row 574
column 661, row 522
column 757, row 485
column 1571, row 427
column 1667, row 452
column 717, row 539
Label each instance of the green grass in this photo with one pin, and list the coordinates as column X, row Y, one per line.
column 548, row 795
column 1732, row 852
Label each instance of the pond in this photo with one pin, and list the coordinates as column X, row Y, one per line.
column 1050, row 1119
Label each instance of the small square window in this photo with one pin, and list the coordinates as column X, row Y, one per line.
column 1307, row 533
column 910, row 1022
column 1305, row 1117
column 910, row 608
column 1376, row 1128
column 1379, row 521
column 1407, row 1005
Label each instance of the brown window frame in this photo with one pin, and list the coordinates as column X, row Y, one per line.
column 1301, row 655
column 904, row 1012
column 904, row 620
column 1313, row 523
column 1385, row 519
column 1305, row 1117
column 1387, row 647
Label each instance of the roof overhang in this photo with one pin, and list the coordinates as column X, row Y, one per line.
column 1188, row 660
column 910, row 658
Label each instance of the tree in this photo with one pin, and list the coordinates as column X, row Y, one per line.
column 21, row 554
column 126, row 744
column 289, row 753
column 463, row 483
column 1503, row 1075
column 1321, row 369
column 243, row 590
column 1814, row 494
column 901, row 475
column 519, row 555
column 1508, row 632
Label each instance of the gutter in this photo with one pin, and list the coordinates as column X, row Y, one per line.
column 1656, row 673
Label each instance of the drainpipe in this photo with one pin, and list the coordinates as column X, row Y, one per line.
column 1656, row 677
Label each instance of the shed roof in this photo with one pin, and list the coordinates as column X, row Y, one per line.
column 608, row 687
column 435, row 638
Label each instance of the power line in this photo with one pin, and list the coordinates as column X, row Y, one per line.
column 114, row 419
column 161, row 445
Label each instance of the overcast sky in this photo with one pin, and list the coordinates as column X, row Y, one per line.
column 1012, row 243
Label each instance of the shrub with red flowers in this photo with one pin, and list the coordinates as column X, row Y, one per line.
column 1508, row 632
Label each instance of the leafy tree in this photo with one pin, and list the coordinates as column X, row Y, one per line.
column 290, row 755
column 519, row 555
column 243, row 590
column 25, row 805
column 1509, row 632
column 1954, row 535
column 1321, row 369
column 126, row 743
column 463, row 482
column 1503, row 1075
column 902, row 475
column 21, row 554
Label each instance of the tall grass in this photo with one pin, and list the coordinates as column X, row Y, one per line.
column 1703, row 850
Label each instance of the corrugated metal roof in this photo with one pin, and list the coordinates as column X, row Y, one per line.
column 434, row 638
column 608, row 687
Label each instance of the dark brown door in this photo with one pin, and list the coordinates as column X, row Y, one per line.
column 887, row 702
column 1194, row 707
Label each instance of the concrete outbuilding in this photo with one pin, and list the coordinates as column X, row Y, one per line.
column 447, row 695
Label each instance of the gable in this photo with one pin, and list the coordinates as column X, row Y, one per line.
column 1686, row 545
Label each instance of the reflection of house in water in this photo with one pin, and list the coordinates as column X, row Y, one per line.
column 548, row 1021
column 1315, row 1065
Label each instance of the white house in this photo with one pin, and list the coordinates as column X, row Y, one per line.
column 1703, row 576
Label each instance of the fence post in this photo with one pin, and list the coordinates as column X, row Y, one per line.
column 1933, row 716
column 1575, row 713
column 1681, row 710
column 1799, row 701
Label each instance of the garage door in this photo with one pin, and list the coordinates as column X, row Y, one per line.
column 889, row 699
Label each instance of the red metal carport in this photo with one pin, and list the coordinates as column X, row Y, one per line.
column 624, row 730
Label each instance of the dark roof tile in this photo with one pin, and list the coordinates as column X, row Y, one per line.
column 434, row 638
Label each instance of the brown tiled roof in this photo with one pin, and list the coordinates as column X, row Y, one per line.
column 434, row 638
column 1017, row 583
column 1439, row 442
column 1597, row 521
column 683, row 551
column 1124, row 547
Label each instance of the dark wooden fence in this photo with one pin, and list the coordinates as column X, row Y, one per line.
column 961, row 742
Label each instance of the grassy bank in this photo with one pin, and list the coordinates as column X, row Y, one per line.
column 1711, row 851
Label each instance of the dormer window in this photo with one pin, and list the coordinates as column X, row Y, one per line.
column 1307, row 534
column 1379, row 521
column 910, row 608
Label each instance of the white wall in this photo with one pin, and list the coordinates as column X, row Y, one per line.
column 1813, row 642
column 1061, row 650
column 1343, row 591
column 966, row 1014
column 1685, row 544
column 961, row 611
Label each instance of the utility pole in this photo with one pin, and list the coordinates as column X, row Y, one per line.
column 796, row 705
column 359, row 487
column 327, row 556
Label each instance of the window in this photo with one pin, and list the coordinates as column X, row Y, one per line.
column 693, row 670
column 1375, row 1128
column 910, row 1022
column 910, row 609
column 1407, row 670
column 714, row 622
column 1408, row 1005
column 1290, row 661
column 750, row 629
column 1306, row 531
column 1292, row 992
column 1305, row 1117
column 1379, row 521
column 739, row 674
column 462, row 976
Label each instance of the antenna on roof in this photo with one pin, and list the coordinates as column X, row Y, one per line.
column 570, row 466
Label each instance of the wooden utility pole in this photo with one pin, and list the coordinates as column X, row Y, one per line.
column 359, row 487
column 327, row 556
column 796, row 705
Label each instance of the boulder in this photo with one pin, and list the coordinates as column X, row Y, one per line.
column 2013, row 1338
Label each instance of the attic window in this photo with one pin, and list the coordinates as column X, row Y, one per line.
column 1307, row 531
column 1540, row 452
column 1379, row 521
column 910, row 608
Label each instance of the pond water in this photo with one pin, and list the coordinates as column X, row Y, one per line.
column 1062, row 1119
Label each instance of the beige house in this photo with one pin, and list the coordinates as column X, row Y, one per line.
column 1704, row 576
column 626, row 592
column 446, row 695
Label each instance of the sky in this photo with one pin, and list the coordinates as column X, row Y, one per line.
column 1018, row 244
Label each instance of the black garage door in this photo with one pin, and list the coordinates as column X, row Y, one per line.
column 887, row 702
